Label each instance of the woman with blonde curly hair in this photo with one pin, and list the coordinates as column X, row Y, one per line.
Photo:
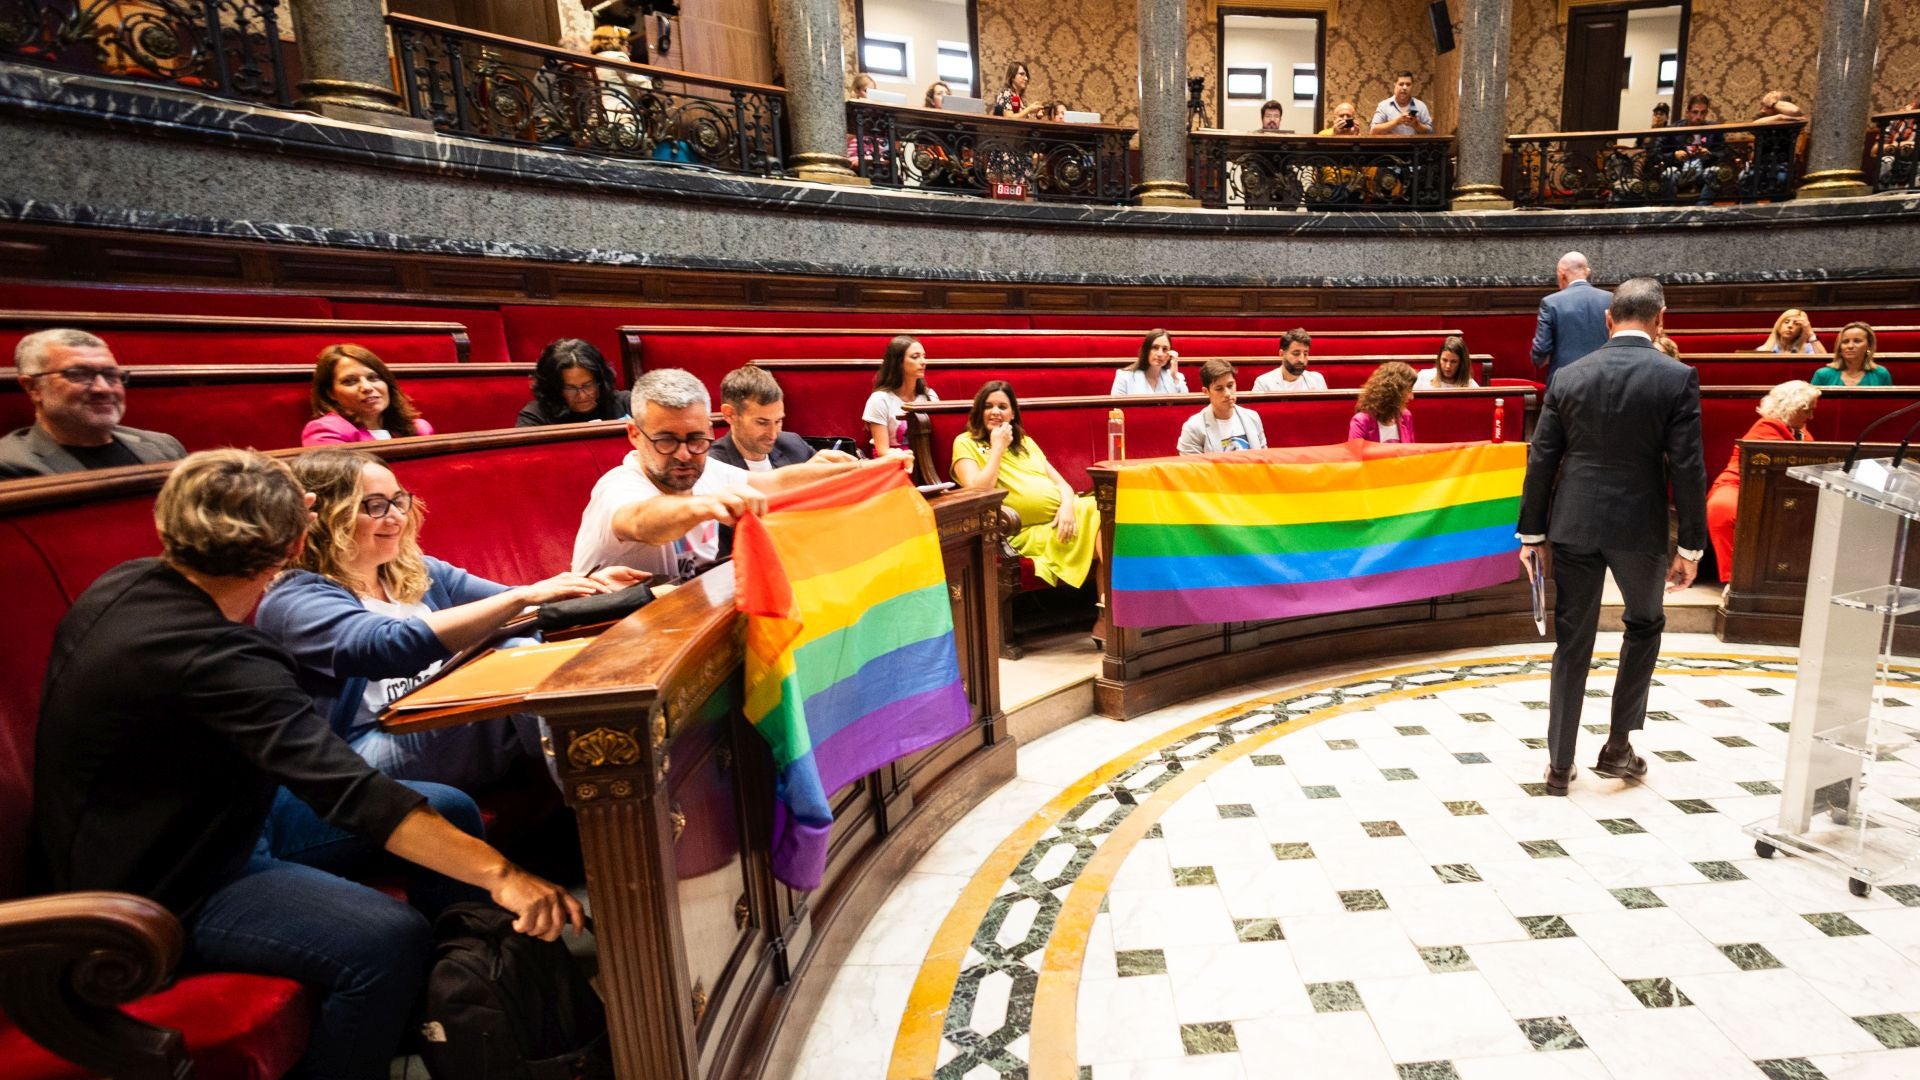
column 368, row 616
column 1784, row 413
column 1382, row 413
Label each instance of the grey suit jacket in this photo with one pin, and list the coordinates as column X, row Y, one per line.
column 1572, row 323
column 30, row 451
column 788, row 449
column 1617, row 430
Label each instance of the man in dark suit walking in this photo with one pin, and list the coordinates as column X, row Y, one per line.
column 1618, row 427
column 1573, row 321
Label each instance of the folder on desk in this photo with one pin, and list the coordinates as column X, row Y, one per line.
column 492, row 684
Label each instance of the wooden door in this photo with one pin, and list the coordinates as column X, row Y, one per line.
column 1596, row 57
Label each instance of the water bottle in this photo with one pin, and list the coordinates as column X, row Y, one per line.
column 1116, row 436
column 1499, row 419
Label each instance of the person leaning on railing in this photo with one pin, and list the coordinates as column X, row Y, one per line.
column 1774, row 148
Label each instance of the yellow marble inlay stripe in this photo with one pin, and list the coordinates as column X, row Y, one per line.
column 1053, row 1053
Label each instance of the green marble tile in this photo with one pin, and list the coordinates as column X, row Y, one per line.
column 1457, row 873
column 1258, row 930
column 1908, row 895
column 1156, row 832
column 1534, row 744
column 1637, row 898
column 1763, row 691
column 1537, row 790
column 1464, row 808
column 1790, row 1069
column 1379, row 829
column 1834, row 924
column 1477, row 717
column 1542, row 927
column 1715, row 703
column 1662, row 716
column 1621, row 826
column 1194, row 875
column 1537, row 706
column 1657, row 993
column 1894, row 1031
column 1692, row 806
column 1759, row 787
column 1264, row 761
column 1719, row 870
column 1596, row 729
column 1427, row 1070
column 1596, row 692
column 1293, row 849
column 1441, row 958
column 1673, row 755
column 1342, row 744
column 1655, row 682
column 1214, row 1037
column 1399, row 774
column 1334, row 997
column 1473, row 759
column 1911, row 804
column 1893, row 703
column 1104, row 901
column 1133, row 962
column 1363, row 900
column 1781, row 725
column 1552, row 1033
column 1321, row 791
column 1733, row 741
column 1544, row 849
column 1086, row 1072
column 1411, row 729
column 1752, row 956
column 1235, row 810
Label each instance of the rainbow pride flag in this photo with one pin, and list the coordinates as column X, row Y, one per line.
column 1308, row 530
column 850, row 653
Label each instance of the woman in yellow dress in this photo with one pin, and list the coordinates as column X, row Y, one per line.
column 1059, row 530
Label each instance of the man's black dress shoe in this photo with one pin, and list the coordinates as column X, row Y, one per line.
column 1558, row 779
column 1626, row 765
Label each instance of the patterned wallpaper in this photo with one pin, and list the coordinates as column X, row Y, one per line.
column 1376, row 38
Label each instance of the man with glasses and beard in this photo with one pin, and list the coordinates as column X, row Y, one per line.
column 79, row 395
column 661, row 509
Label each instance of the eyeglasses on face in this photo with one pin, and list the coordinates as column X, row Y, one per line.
column 670, row 444
column 583, row 390
column 82, row 375
column 379, row 506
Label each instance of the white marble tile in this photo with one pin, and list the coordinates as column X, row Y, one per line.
column 1159, row 918
column 903, row 927
column 1322, row 1046
column 1732, row 912
column 1771, row 1014
column 1704, row 836
column 1381, row 862
column 1221, row 840
column 1802, row 886
column 1276, row 888
column 1126, row 1020
column 1648, row 943
column 1634, row 860
column 1556, row 977
column 1860, row 975
column 1526, row 817
column 1361, row 945
column 1439, row 1017
column 1203, row 1067
column 863, row 1002
column 1235, row 982
column 1545, row 886
column 1558, row 1065
column 1098, row 960
column 1662, row 1044
column 1877, row 1065
column 1473, row 839
column 1460, row 914
column 1145, row 867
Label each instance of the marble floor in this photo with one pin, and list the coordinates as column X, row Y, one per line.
column 1356, row 873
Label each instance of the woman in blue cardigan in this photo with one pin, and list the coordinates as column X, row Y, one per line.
column 368, row 617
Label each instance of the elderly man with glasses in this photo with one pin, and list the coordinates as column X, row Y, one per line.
column 661, row 509
column 79, row 394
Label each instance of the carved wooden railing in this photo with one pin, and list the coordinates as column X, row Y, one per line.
column 937, row 150
column 230, row 48
column 486, row 86
column 1756, row 161
column 1259, row 171
column 1891, row 151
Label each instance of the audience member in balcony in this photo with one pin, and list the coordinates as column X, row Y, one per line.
column 756, row 412
column 369, row 616
column 79, row 394
column 1778, row 105
column 614, row 43
column 167, row 724
column 1573, row 321
column 863, row 84
column 1156, row 372
column 1271, row 113
column 936, row 94
column 1452, row 367
column 1402, row 114
column 1662, row 114
column 1345, row 121
column 355, row 399
column 1059, row 531
column 902, row 378
column 1382, row 414
column 1344, row 183
column 660, row 510
column 1853, row 363
column 1784, row 413
column 1222, row 425
column 1011, row 100
column 1793, row 333
column 1296, row 354
column 572, row 383
column 1693, row 157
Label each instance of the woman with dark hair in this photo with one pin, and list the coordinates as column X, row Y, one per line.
column 1853, row 363
column 1381, row 414
column 368, row 616
column 902, row 378
column 572, row 383
column 1010, row 101
column 1157, row 371
column 1453, row 367
column 1058, row 529
column 937, row 93
column 355, row 399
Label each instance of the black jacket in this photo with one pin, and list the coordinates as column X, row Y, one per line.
column 788, row 449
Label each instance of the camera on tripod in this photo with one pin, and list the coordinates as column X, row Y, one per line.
column 1196, row 102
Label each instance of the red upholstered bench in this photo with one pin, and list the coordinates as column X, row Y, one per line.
column 1893, row 337
column 221, row 339
column 1726, row 412
column 134, row 299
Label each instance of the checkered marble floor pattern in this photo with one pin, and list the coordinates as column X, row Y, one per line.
column 1389, row 893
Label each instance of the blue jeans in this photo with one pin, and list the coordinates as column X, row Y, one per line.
column 290, row 914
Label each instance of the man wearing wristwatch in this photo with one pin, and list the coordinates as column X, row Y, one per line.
column 1618, row 429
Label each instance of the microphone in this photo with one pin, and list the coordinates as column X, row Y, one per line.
column 1854, row 454
column 1900, row 454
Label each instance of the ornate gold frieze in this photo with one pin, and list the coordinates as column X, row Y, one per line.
column 602, row 747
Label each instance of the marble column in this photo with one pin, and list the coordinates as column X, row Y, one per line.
column 815, row 63
column 1842, row 101
column 1481, row 139
column 344, row 56
column 1163, row 105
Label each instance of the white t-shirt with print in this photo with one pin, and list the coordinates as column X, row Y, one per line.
column 595, row 546
column 384, row 692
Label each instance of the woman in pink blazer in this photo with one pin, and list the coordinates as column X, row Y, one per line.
column 356, row 400
column 1382, row 413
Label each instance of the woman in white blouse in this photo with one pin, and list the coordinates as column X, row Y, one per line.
column 1156, row 372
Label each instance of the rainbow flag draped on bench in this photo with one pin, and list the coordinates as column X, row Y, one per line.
column 1309, row 530
column 850, row 655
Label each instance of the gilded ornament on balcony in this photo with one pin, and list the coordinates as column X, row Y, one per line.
column 601, row 747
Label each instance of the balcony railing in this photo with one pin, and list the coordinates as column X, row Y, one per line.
column 970, row 154
column 1671, row 166
column 1260, row 171
column 490, row 87
column 1891, row 151
column 230, row 48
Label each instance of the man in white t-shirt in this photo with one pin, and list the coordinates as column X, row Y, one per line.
column 660, row 510
column 1296, row 348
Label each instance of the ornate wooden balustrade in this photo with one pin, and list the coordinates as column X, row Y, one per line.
column 230, row 48
column 1891, row 151
column 1757, row 161
column 1260, row 171
column 935, row 150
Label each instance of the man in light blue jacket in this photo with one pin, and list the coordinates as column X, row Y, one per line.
column 1573, row 321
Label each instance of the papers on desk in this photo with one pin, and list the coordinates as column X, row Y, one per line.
column 492, row 684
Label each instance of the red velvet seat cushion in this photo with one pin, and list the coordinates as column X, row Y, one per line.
column 237, row 1027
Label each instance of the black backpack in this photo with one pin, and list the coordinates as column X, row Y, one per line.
column 501, row 1005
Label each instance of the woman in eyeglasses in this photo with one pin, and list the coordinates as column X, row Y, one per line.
column 572, row 383
column 368, row 617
